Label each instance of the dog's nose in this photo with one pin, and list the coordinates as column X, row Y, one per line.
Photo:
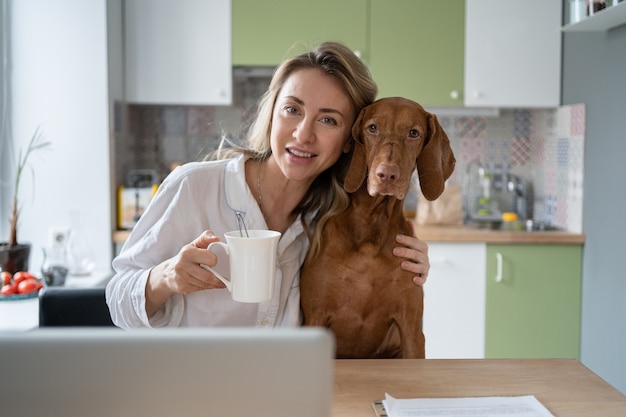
column 387, row 173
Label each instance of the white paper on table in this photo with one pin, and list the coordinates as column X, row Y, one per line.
column 520, row 406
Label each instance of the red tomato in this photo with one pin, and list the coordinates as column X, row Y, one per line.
column 27, row 286
column 8, row 290
column 21, row 276
column 6, row 278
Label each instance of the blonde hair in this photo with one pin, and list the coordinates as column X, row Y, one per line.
column 326, row 196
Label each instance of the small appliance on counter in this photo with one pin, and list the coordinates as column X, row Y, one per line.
column 488, row 195
column 481, row 209
column 135, row 195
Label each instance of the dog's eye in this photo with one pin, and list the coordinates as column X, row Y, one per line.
column 413, row 133
column 372, row 128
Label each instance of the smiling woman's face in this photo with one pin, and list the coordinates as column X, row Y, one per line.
column 311, row 125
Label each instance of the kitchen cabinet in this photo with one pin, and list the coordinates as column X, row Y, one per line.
column 410, row 52
column 477, row 53
column 503, row 300
column 533, row 301
column 454, row 301
column 417, row 50
column 513, row 53
column 264, row 33
column 178, row 52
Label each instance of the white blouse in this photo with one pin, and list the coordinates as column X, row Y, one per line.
column 195, row 197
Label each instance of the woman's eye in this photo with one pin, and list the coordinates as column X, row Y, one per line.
column 372, row 128
column 413, row 133
column 290, row 109
column 329, row 121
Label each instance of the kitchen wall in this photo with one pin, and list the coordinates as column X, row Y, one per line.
column 542, row 146
column 6, row 150
column 158, row 137
column 594, row 68
column 59, row 83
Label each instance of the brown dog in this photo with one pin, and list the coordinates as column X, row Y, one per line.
column 355, row 286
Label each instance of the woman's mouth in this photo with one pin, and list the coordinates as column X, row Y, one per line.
column 300, row 154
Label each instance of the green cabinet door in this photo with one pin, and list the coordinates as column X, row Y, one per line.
column 417, row 49
column 533, row 301
column 268, row 31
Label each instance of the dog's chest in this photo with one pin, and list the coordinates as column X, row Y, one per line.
column 350, row 269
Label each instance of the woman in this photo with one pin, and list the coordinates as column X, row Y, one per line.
column 288, row 179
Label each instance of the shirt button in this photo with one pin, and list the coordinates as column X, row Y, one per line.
column 265, row 322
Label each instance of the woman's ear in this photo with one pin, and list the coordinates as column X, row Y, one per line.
column 348, row 146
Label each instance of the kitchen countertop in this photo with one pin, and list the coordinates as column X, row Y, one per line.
column 461, row 233
column 120, row 236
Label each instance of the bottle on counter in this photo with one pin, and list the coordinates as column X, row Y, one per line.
column 471, row 190
column 484, row 201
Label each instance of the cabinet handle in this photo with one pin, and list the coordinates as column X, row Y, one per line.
column 498, row 267
column 454, row 95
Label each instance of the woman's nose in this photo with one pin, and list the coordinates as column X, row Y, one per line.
column 304, row 131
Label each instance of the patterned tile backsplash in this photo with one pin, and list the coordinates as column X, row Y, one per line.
column 542, row 147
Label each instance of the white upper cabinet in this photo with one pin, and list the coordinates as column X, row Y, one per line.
column 513, row 53
column 178, row 52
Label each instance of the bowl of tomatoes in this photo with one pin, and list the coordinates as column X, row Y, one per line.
column 19, row 286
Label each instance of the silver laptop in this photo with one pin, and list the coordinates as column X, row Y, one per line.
column 220, row 372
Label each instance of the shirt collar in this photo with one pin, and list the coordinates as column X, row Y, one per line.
column 244, row 202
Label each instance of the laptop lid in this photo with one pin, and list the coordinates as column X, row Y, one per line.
column 109, row 372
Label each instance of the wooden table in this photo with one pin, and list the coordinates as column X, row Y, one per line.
column 564, row 386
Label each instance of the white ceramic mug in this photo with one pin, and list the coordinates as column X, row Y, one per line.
column 252, row 263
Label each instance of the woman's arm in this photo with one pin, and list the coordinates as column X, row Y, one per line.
column 146, row 290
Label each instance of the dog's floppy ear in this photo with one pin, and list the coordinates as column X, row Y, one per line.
column 358, row 163
column 436, row 161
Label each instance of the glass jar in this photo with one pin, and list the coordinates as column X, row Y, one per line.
column 577, row 10
column 510, row 222
column 55, row 266
column 80, row 256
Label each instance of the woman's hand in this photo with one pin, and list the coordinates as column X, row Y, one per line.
column 182, row 273
column 415, row 252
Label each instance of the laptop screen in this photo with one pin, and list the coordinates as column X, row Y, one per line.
column 167, row 372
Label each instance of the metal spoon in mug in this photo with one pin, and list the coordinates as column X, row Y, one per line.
column 242, row 225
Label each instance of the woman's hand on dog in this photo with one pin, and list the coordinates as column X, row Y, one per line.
column 415, row 252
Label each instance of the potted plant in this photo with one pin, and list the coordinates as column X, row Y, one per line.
column 14, row 256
